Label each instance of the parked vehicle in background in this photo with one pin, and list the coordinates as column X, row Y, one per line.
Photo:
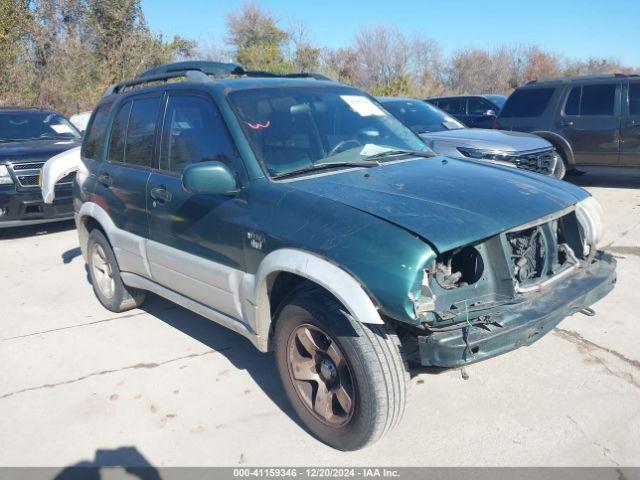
column 299, row 213
column 28, row 138
column 594, row 122
column 80, row 120
column 448, row 136
column 475, row 111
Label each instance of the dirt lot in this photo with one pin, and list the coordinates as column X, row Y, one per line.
column 165, row 386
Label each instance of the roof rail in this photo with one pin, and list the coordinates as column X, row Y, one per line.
column 200, row 71
column 262, row 73
column 215, row 69
column 193, row 75
column 603, row 76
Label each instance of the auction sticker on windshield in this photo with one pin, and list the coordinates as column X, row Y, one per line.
column 362, row 105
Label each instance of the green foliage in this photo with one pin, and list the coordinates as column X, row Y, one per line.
column 256, row 39
column 400, row 86
column 66, row 52
column 63, row 54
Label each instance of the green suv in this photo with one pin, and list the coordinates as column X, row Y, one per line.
column 299, row 213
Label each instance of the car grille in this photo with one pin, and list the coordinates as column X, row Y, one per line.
column 28, row 174
column 543, row 162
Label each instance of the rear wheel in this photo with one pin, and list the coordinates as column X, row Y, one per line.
column 346, row 380
column 105, row 276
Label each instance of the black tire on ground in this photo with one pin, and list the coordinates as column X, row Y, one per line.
column 116, row 296
column 378, row 378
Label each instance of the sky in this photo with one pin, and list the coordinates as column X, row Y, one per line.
column 572, row 28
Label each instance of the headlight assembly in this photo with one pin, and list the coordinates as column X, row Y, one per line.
column 494, row 155
column 591, row 217
column 5, row 178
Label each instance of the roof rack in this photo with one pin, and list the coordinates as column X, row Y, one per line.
column 201, row 71
column 603, row 76
column 265, row 74
column 214, row 69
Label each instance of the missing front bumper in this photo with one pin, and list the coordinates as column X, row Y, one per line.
column 521, row 324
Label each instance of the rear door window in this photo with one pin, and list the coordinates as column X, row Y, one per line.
column 527, row 102
column 598, row 99
column 141, row 131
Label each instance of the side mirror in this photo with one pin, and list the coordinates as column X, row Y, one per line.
column 210, row 178
column 490, row 113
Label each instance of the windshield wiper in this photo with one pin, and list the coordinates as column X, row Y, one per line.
column 366, row 162
column 49, row 137
column 392, row 153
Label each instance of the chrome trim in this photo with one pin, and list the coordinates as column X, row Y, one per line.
column 18, row 173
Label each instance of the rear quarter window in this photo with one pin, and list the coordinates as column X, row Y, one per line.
column 94, row 137
column 528, row 102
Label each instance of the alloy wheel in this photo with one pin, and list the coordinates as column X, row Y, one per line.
column 102, row 271
column 320, row 375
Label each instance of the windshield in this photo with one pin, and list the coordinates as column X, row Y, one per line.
column 422, row 117
column 18, row 126
column 295, row 128
column 497, row 99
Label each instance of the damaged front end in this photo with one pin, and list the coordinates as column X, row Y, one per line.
column 496, row 295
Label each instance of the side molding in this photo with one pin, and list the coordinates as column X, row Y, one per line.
column 319, row 270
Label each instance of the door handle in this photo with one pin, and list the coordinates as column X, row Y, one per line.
column 566, row 123
column 633, row 123
column 105, row 179
column 161, row 194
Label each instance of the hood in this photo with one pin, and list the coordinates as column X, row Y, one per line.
column 489, row 139
column 34, row 149
column 447, row 202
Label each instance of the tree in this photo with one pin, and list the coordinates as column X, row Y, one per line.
column 14, row 21
column 69, row 51
column 470, row 71
column 541, row 64
column 383, row 52
column 341, row 64
column 301, row 54
column 256, row 39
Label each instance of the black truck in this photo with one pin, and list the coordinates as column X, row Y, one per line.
column 28, row 138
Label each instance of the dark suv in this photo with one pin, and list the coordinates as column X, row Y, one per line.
column 301, row 214
column 476, row 111
column 594, row 122
column 28, row 138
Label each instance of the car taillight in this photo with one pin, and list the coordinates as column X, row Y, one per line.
column 495, row 125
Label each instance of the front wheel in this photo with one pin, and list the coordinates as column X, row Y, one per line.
column 346, row 380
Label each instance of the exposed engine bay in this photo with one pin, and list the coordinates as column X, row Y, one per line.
column 475, row 283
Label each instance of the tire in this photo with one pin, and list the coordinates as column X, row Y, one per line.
column 371, row 371
column 105, row 276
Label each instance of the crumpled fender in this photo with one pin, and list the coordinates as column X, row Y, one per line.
column 56, row 168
